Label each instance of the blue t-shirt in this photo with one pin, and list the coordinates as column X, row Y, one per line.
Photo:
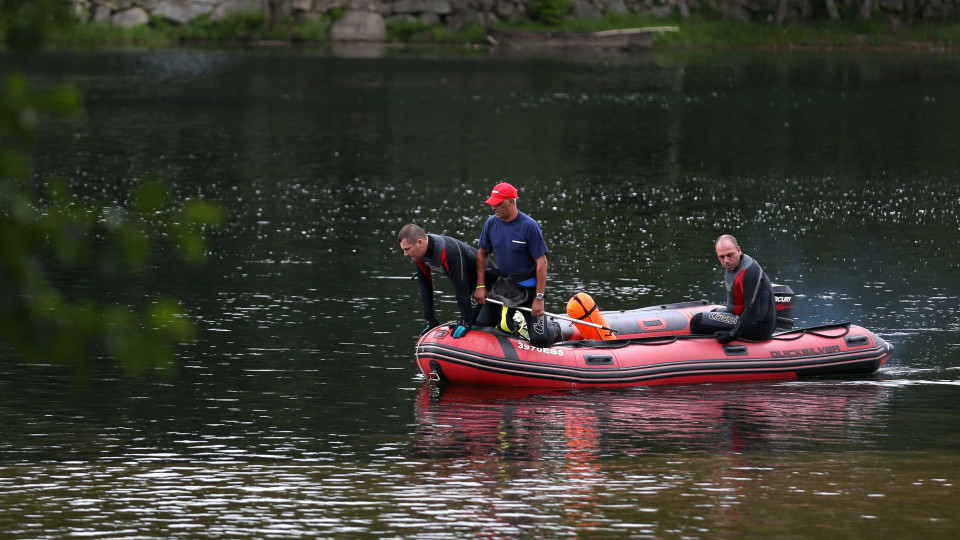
column 517, row 243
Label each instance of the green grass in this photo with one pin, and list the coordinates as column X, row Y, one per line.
column 699, row 33
column 235, row 28
column 417, row 32
column 695, row 32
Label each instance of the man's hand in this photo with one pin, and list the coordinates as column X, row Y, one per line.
column 461, row 330
column 537, row 308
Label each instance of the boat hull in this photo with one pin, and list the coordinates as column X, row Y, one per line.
column 491, row 358
column 622, row 39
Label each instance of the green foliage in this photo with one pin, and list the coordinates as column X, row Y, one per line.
column 49, row 237
column 239, row 26
column 407, row 31
column 310, row 30
column 549, row 12
column 417, row 32
column 472, row 32
column 26, row 24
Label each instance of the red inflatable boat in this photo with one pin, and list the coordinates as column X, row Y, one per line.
column 653, row 346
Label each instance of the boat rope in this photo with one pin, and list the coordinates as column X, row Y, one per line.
column 819, row 331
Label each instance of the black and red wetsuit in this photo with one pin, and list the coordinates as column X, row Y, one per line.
column 456, row 260
column 751, row 310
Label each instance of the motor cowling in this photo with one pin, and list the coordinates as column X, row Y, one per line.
column 784, row 297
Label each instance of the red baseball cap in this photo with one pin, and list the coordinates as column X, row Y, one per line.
column 501, row 192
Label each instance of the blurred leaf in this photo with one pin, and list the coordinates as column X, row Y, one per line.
column 191, row 244
column 167, row 315
column 27, row 23
column 150, row 197
column 41, row 235
column 135, row 246
column 14, row 91
column 13, row 164
column 202, row 212
column 65, row 100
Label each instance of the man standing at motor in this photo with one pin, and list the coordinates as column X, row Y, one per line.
column 450, row 257
column 517, row 242
column 751, row 310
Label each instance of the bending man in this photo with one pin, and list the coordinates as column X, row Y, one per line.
column 751, row 309
column 446, row 256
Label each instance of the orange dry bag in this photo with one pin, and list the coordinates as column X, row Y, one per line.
column 582, row 307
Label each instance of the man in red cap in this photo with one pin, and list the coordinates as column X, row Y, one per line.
column 517, row 241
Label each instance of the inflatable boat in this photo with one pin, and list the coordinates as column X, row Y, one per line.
column 652, row 345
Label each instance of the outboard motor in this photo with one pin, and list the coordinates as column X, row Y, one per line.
column 784, row 298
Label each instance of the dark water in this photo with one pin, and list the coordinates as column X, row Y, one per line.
column 299, row 412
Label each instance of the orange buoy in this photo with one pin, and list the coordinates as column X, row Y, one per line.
column 582, row 307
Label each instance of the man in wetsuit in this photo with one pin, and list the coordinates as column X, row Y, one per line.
column 517, row 242
column 751, row 310
column 448, row 256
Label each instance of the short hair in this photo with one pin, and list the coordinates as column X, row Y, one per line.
column 727, row 237
column 411, row 233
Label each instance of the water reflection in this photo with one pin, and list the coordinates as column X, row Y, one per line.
column 534, row 424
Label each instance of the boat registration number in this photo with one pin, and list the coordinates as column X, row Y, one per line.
column 545, row 350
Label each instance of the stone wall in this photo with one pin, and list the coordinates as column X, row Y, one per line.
column 364, row 19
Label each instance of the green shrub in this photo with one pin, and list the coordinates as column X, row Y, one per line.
column 407, row 31
column 239, row 26
column 313, row 30
column 548, row 11
column 473, row 32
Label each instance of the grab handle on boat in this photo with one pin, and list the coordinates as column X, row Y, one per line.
column 859, row 339
column 598, row 359
column 735, row 350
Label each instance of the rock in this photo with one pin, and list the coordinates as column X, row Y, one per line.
column 661, row 12
column 440, row 7
column 301, row 5
column 148, row 5
column 505, row 8
column 81, row 10
column 129, row 18
column 734, row 11
column 359, row 25
column 583, row 9
column 323, row 6
column 102, row 13
column 232, row 7
column 892, row 5
column 616, row 6
column 182, row 11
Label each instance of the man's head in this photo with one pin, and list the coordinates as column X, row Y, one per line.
column 413, row 241
column 503, row 199
column 728, row 251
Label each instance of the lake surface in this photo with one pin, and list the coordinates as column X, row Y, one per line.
column 299, row 412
